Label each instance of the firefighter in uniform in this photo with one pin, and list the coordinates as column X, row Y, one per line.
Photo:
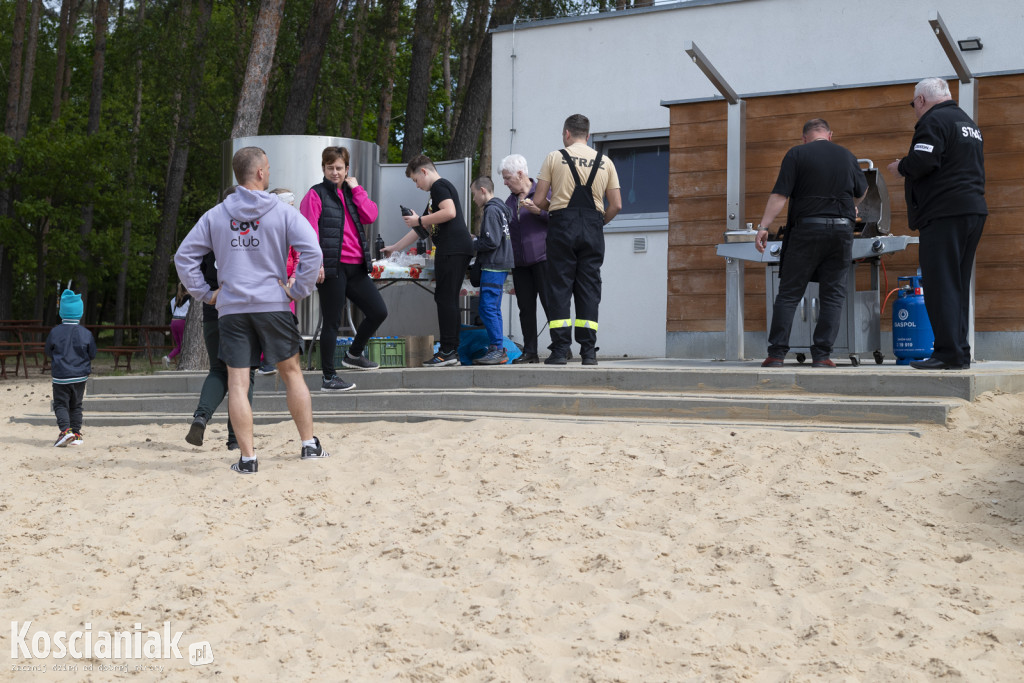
column 575, row 240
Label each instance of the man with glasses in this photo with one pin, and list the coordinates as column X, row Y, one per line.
column 944, row 183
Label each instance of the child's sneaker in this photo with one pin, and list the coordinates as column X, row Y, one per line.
column 243, row 467
column 65, row 437
column 78, row 439
column 310, row 452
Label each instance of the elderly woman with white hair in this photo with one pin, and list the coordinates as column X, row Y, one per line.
column 528, row 231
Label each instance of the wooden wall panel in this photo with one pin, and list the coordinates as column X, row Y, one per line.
column 875, row 123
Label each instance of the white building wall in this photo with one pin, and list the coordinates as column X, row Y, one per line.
column 618, row 68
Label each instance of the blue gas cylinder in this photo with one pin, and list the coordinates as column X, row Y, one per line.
column 912, row 336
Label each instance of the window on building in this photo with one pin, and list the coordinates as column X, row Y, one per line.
column 642, row 165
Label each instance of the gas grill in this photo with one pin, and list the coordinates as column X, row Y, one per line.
column 860, row 326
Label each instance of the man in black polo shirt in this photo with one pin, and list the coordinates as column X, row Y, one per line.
column 824, row 184
column 945, row 191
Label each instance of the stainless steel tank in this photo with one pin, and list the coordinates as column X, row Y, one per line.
column 295, row 165
column 295, row 161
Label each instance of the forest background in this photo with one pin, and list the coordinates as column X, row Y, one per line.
column 115, row 113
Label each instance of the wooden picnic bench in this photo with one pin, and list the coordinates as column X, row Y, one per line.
column 144, row 343
column 11, row 346
column 33, row 337
column 21, row 340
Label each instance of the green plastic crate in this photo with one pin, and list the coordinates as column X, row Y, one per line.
column 387, row 352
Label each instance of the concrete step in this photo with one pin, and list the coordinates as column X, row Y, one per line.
column 883, row 396
column 667, row 375
column 446, row 402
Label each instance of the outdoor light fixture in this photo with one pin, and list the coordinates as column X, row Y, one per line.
column 970, row 44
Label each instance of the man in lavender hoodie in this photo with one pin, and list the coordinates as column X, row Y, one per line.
column 249, row 234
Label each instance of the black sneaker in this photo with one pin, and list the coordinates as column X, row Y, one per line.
column 336, row 384
column 196, row 431
column 359, row 362
column 311, row 452
column 232, row 445
column 243, row 467
column 590, row 360
column 442, row 359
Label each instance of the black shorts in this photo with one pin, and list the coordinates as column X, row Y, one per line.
column 243, row 336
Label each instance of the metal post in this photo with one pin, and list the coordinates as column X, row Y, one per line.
column 735, row 198
column 736, row 166
column 734, row 288
column 968, row 101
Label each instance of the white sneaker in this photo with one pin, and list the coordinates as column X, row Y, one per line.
column 167, row 362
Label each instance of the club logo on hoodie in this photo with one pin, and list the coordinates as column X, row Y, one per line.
column 246, row 230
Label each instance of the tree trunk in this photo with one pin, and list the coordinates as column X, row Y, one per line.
column 11, row 129
column 446, row 61
column 419, row 79
column 307, row 71
column 472, row 36
column 476, row 101
column 485, row 145
column 392, row 13
column 14, row 68
column 62, row 54
column 62, row 75
column 126, row 229
column 463, row 141
column 193, row 347
column 154, row 308
column 257, row 70
column 324, row 125
column 25, row 103
column 101, row 11
column 353, row 93
column 41, row 254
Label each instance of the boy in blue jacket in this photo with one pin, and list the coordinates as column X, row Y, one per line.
column 71, row 348
column 494, row 252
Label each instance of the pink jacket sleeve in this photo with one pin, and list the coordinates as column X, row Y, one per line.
column 311, row 208
column 365, row 206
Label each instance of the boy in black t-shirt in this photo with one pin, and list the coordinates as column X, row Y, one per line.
column 444, row 220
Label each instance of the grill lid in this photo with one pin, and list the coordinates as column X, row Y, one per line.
column 873, row 212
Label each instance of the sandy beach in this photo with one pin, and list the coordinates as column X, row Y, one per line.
column 529, row 550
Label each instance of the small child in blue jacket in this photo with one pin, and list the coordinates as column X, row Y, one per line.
column 71, row 348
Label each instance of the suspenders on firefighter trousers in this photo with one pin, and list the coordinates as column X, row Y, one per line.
column 575, row 248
